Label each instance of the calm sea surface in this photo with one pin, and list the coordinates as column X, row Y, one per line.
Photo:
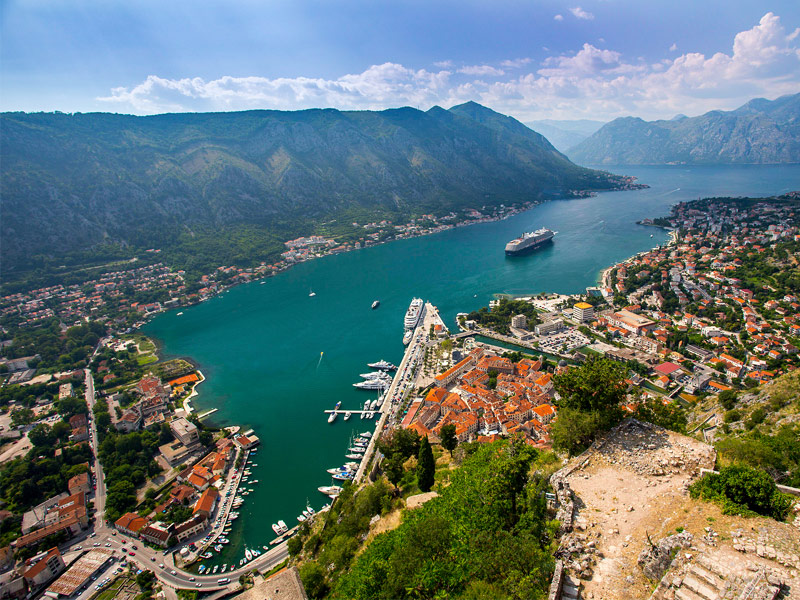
column 275, row 358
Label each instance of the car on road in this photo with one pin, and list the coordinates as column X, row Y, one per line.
column 161, row 566
column 199, row 585
column 108, row 545
column 132, row 553
column 96, row 544
column 153, row 558
column 174, row 572
column 191, row 578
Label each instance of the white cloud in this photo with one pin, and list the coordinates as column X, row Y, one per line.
column 481, row 70
column 579, row 13
column 516, row 63
column 592, row 83
column 443, row 64
column 673, row 48
column 558, row 18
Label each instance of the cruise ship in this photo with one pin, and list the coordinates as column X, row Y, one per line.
column 529, row 241
column 413, row 314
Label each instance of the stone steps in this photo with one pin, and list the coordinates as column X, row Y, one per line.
column 700, row 587
column 683, row 593
column 570, row 590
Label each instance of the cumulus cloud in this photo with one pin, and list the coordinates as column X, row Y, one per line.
column 589, row 83
column 579, row 13
column 558, row 18
column 673, row 48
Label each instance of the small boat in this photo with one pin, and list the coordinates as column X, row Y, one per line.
column 248, row 555
column 218, row 547
column 377, row 303
column 338, row 404
column 201, row 569
column 241, row 562
column 311, row 293
column 309, row 509
column 263, row 282
column 180, row 313
column 343, row 476
column 306, row 514
column 352, row 465
column 224, row 568
column 265, row 548
column 356, row 450
column 216, row 568
column 284, row 528
column 254, row 481
column 301, row 518
column 347, row 415
column 362, row 415
column 332, row 417
column 382, row 365
column 366, row 434
column 354, row 456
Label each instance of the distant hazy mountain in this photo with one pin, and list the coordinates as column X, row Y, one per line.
column 73, row 182
column 565, row 134
column 760, row 132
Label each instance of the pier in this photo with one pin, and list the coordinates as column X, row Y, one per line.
column 339, row 411
column 207, row 413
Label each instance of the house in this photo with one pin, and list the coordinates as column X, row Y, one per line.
column 206, row 503
column 43, row 567
column 157, row 533
column 190, row 527
column 130, row 524
column 79, row 483
column 130, row 421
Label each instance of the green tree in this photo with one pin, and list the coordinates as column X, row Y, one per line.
column 294, row 545
column 596, row 385
column 426, row 466
column 393, row 467
column 40, row 436
column 21, row 416
column 670, row 416
column 313, row 577
column 727, row 398
column 574, row 430
column 449, row 439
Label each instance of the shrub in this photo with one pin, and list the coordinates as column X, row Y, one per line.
column 743, row 490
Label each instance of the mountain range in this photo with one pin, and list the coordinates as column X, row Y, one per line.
column 74, row 182
column 759, row 132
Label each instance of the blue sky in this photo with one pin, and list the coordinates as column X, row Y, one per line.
column 532, row 59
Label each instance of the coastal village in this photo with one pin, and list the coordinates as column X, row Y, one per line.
column 714, row 311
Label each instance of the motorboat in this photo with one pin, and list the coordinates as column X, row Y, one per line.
column 301, row 518
column 354, row 456
column 216, row 568
column 377, row 303
column 310, row 510
column 248, row 555
column 366, row 434
column 343, row 476
column 347, row 415
column 284, row 528
column 306, row 514
column 224, row 568
column 332, row 417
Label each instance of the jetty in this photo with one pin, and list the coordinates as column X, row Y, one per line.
column 355, row 412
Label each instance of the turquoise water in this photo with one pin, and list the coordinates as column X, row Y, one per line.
column 260, row 345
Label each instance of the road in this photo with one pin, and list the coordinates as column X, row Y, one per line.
column 99, row 476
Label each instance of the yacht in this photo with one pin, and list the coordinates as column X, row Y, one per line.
column 276, row 528
column 332, row 417
column 373, row 404
column 356, row 449
column 336, row 470
column 407, row 337
column 248, row 555
column 373, row 375
column 354, row 456
column 347, row 415
column 366, row 434
column 382, row 365
column 329, row 490
column 372, row 384
column 301, row 518
column 309, row 509
column 306, row 514
column 282, row 525
column 343, row 476
column 377, row 303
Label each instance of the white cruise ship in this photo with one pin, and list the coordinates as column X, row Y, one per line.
column 413, row 314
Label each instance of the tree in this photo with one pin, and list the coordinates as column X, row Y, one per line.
column 426, row 467
column 313, row 577
column 573, row 430
column 21, row 416
column 449, row 439
column 727, row 398
column 40, row 435
column 393, row 467
column 669, row 416
column 294, row 545
column 597, row 384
